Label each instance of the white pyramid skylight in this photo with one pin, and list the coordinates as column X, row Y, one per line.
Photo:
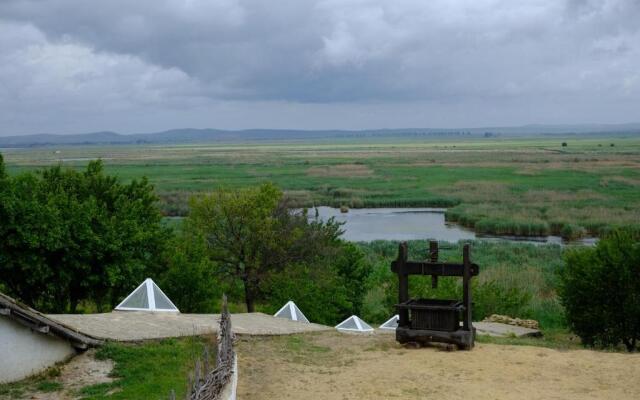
column 391, row 324
column 147, row 297
column 292, row 312
column 354, row 324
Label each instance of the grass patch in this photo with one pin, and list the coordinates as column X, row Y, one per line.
column 147, row 371
column 43, row 382
column 299, row 345
column 560, row 339
column 49, row 386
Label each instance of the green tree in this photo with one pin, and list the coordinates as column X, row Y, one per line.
column 353, row 271
column 3, row 172
column 251, row 233
column 600, row 290
column 189, row 279
column 69, row 236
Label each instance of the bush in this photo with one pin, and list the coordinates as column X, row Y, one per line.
column 572, row 232
column 600, row 290
column 509, row 227
column 318, row 292
column 493, row 298
column 327, row 290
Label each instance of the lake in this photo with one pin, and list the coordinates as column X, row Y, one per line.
column 399, row 224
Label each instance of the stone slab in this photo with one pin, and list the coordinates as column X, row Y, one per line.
column 504, row 330
column 141, row 325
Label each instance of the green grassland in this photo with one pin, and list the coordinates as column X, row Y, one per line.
column 521, row 186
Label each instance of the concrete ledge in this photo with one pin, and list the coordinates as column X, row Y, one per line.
column 131, row 326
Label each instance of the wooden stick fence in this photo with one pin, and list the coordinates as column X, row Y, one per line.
column 206, row 383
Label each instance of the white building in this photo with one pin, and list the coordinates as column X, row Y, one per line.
column 30, row 342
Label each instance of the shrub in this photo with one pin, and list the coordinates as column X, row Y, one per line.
column 493, row 298
column 572, row 232
column 509, row 227
column 318, row 292
column 600, row 290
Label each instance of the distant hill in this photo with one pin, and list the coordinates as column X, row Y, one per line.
column 217, row 135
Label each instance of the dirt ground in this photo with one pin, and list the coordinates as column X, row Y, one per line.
column 331, row 365
column 83, row 370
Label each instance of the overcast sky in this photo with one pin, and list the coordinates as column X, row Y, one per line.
column 70, row 66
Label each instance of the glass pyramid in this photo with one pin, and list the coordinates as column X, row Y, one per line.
column 147, row 297
column 354, row 324
column 292, row 312
column 391, row 324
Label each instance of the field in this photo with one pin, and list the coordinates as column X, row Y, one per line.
column 526, row 186
column 342, row 366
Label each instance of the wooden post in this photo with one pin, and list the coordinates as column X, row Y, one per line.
column 403, row 284
column 466, row 289
column 433, row 256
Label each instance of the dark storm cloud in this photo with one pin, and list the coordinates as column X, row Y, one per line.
column 146, row 64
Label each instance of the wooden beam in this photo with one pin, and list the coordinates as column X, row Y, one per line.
column 429, row 268
column 433, row 257
column 466, row 288
column 403, row 283
column 80, row 345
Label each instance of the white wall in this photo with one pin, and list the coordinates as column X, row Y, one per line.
column 230, row 389
column 24, row 352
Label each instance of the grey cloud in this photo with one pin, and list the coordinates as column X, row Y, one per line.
column 314, row 56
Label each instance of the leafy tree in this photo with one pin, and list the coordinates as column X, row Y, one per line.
column 251, row 233
column 3, row 172
column 353, row 271
column 69, row 236
column 189, row 279
column 600, row 290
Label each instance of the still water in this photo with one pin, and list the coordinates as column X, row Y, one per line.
column 368, row 224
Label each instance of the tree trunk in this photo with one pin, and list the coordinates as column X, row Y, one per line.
column 630, row 344
column 73, row 305
column 248, row 294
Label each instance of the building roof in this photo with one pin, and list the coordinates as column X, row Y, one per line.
column 38, row 322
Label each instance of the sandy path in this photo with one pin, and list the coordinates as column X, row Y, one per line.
column 337, row 366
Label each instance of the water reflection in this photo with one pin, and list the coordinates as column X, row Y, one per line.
column 368, row 224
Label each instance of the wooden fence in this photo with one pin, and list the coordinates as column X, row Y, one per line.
column 207, row 383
